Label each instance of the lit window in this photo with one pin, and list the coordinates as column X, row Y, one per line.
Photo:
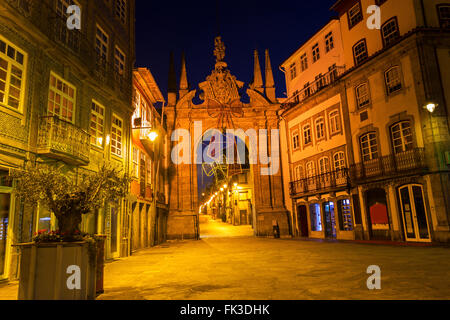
column 324, row 165
column 101, row 46
column 295, row 140
column 316, row 52
column 390, row 32
column 402, row 138
column 119, row 62
column 354, row 15
column 335, row 122
column 97, row 127
column 444, row 15
column 362, row 95
column 293, row 71
column 12, row 69
column 339, row 161
column 304, row 62
column 393, row 80
column 320, row 128
column 121, row 10
column 116, row 136
column 345, row 215
column 316, row 222
column 360, row 52
column 329, row 42
column 61, row 100
column 369, row 146
column 307, row 134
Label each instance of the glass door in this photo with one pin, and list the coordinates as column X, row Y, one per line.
column 5, row 201
column 414, row 215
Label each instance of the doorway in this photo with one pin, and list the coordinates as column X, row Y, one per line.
column 378, row 215
column 415, row 221
column 302, row 220
column 5, row 202
column 330, row 220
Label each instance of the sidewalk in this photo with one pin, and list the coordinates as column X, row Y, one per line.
column 9, row 290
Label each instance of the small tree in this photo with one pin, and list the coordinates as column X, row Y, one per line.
column 68, row 198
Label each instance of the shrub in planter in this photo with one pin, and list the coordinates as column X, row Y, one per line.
column 63, row 251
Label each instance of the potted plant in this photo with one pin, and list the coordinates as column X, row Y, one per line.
column 61, row 264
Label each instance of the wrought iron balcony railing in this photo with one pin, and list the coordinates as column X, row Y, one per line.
column 324, row 81
column 398, row 164
column 320, row 183
column 62, row 140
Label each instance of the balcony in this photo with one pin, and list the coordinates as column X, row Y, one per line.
column 325, row 182
column 61, row 140
column 391, row 166
column 324, row 81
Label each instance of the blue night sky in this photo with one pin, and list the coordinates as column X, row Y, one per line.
column 190, row 26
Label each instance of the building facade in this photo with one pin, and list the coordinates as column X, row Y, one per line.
column 394, row 91
column 149, row 158
column 65, row 101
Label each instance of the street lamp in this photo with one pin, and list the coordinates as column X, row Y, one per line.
column 431, row 106
column 152, row 136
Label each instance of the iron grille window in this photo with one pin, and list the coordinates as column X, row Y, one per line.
column 402, row 138
column 354, row 15
column 360, row 52
column 393, row 80
column 362, row 95
column 390, row 32
column 369, row 146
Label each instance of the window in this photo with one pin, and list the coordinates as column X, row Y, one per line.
column 149, row 171
column 101, row 45
column 335, row 122
column 362, row 95
column 298, row 173
column 304, row 62
column 119, row 61
column 295, row 140
column 390, row 32
column 61, row 99
column 329, row 42
column 135, row 168
column 320, row 128
column 345, row 215
column 339, row 160
column 293, row 71
column 97, row 124
column 369, row 146
column 360, row 52
column 307, row 134
column 316, row 52
column 316, row 223
column 444, row 15
column 121, row 10
column 402, row 138
column 63, row 34
column 310, row 169
column 116, row 136
column 324, row 165
column 12, row 69
column 393, row 80
column 354, row 15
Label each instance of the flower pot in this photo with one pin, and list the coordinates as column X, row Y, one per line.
column 45, row 272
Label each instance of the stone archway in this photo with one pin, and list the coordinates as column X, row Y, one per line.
column 223, row 109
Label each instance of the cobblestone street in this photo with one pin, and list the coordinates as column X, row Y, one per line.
column 228, row 263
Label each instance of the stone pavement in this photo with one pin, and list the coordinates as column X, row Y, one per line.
column 243, row 267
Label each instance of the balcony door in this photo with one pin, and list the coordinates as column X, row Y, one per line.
column 415, row 220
